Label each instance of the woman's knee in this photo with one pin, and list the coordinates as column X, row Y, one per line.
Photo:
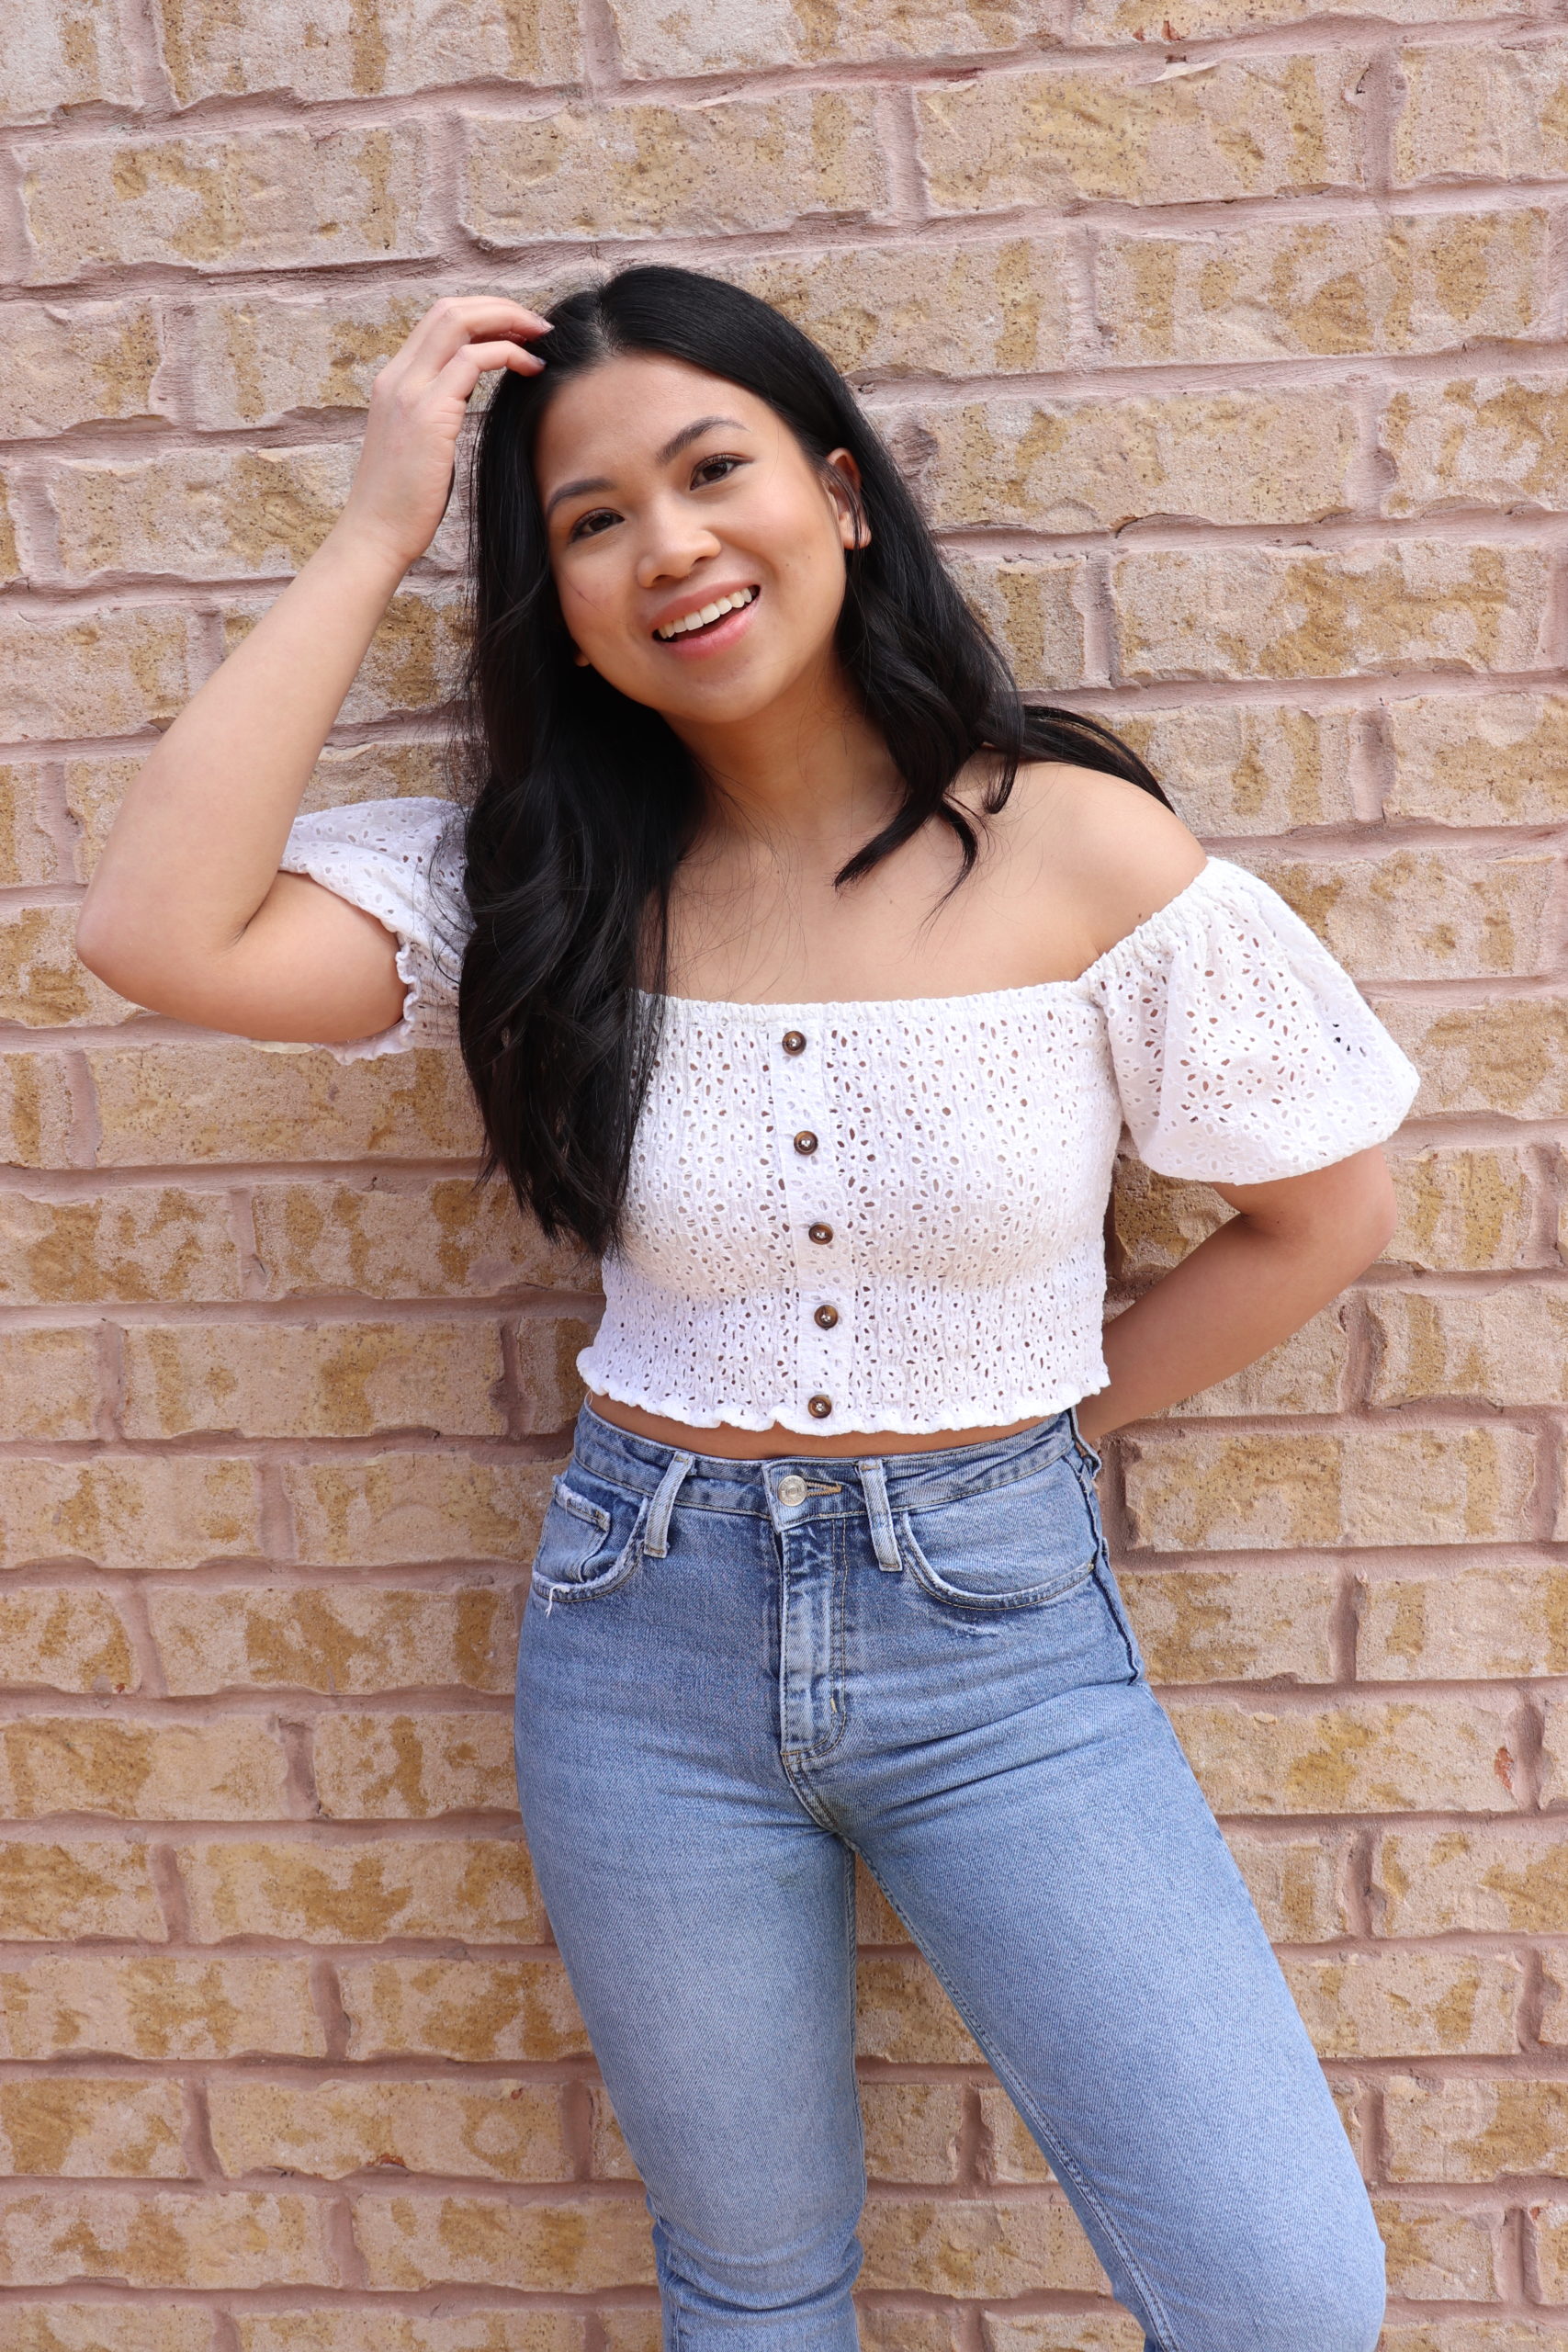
column 1320, row 2293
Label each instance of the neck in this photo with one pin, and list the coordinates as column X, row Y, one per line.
column 809, row 777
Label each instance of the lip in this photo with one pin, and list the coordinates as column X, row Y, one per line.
column 722, row 633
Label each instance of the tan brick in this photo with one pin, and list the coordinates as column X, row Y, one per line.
column 1407, row 2003
column 1062, row 2332
column 1010, row 2153
column 732, row 163
column 876, row 1921
column 98, row 359
column 1159, row 1220
column 173, row 2238
column 94, row 1886
column 311, row 1379
column 1305, row 1373
column 126, row 1511
column 905, row 2016
column 1035, row 607
column 352, row 1637
column 412, row 663
column 326, row 2129
column 1189, row 1489
column 1359, row 1755
column 65, row 1637
column 1554, row 1761
column 226, row 1102
column 1226, row 612
column 710, row 39
column 418, row 1507
column 208, row 513
column 641, row 2331
column 155, row 2006
column 1502, row 1617
column 137, row 1242
column 1415, row 914
column 414, row 1240
column 478, row 1890
column 912, row 2129
column 1475, row 2131
column 1466, row 2335
column 891, row 2328
column 477, row 2010
column 1479, row 1879
column 339, row 2328
column 43, row 983
column 49, row 1381
column 1461, row 1209
column 74, row 2127
column 1551, row 2234
column 277, row 196
column 1480, row 760
column 27, row 849
column 257, row 356
column 1505, row 1345
column 385, row 1767
column 1479, row 441
column 1220, row 1625
column 1489, row 109
column 60, row 58
column 347, row 53
column 1250, row 128
column 1417, row 281
column 975, row 2247
column 89, row 672
column 104, row 2327
column 550, row 1388
column 1066, row 465
column 930, row 308
column 233, row 1771
column 1509, row 1056
column 610, row 2158
column 36, row 1117
column 409, row 2243
column 1296, row 1882
column 1248, row 767
column 1437, row 2254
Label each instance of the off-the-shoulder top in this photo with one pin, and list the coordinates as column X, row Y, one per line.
column 888, row 1213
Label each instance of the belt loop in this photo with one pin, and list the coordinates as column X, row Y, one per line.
column 883, row 1541
column 657, row 1540
column 1082, row 1442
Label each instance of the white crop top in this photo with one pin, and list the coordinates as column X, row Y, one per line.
column 888, row 1214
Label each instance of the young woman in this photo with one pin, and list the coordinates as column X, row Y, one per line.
column 802, row 971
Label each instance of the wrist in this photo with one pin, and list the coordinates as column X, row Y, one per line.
column 353, row 546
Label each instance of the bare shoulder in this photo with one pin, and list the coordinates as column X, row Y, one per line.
column 1115, row 851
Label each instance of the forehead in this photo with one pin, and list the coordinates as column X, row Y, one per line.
column 612, row 418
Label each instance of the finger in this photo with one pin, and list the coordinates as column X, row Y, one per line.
column 451, row 323
column 466, row 366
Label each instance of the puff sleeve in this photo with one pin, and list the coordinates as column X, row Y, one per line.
column 401, row 861
column 1242, row 1052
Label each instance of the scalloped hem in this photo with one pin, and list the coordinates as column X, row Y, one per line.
column 887, row 1422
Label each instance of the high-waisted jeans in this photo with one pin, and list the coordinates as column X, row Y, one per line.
column 738, row 1675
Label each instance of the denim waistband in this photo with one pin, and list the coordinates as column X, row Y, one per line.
column 913, row 1481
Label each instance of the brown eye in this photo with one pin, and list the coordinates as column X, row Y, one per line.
column 705, row 468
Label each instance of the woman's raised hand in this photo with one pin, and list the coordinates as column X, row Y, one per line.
column 417, row 403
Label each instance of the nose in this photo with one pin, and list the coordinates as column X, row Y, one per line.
column 674, row 543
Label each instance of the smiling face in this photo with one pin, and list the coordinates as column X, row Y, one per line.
column 670, row 495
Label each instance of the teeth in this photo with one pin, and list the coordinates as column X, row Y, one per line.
column 708, row 612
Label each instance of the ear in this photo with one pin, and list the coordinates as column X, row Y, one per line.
column 580, row 658
column 843, row 486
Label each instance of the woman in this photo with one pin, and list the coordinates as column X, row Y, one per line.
column 801, row 970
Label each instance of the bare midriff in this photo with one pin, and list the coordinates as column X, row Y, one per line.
column 737, row 1445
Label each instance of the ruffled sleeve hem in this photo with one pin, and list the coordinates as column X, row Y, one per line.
column 1243, row 1051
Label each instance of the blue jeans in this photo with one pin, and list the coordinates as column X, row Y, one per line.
column 737, row 1675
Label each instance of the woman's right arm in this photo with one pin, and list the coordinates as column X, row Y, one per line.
column 187, row 913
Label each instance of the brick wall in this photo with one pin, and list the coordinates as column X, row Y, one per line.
column 1227, row 353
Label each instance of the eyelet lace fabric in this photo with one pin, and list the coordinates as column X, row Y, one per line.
column 901, row 1218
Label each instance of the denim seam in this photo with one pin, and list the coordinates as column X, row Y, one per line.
column 1034, row 1596
column 1061, row 2162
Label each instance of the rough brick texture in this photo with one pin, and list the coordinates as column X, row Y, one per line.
column 1225, row 343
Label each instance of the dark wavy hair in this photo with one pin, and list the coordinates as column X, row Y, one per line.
column 581, row 803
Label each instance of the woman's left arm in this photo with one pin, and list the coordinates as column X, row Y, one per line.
column 1291, row 1248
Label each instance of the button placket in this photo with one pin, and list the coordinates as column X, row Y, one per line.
column 818, row 1209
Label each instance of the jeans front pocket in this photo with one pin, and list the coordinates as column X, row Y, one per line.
column 1013, row 1546
column 591, row 1540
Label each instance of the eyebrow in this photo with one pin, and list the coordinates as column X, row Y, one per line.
column 672, row 449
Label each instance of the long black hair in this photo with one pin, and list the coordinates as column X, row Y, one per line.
column 581, row 803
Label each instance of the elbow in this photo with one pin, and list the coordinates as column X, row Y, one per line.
column 100, row 949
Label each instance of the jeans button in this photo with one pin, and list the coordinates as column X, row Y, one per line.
column 791, row 1490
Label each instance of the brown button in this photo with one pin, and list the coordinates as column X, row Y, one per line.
column 793, row 1041
column 820, row 1232
column 806, row 1141
column 827, row 1317
column 819, row 1406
